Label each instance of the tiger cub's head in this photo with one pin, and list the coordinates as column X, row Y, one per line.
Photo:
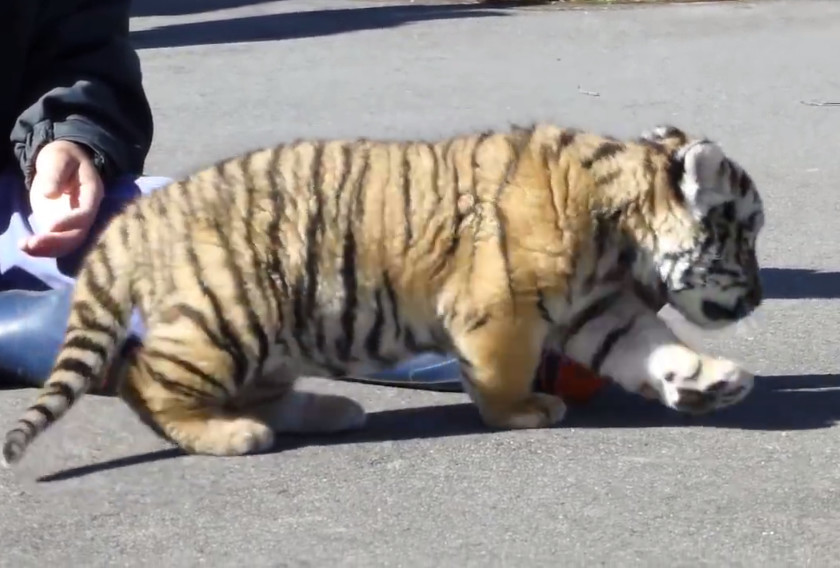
column 705, row 252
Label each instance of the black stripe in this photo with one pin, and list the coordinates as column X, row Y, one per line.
column 346, row 170
column 457, row 215
column 104, row 296
column 228, row 341
column 87, row 320
column 649, row 168
column 435, row 171
column 165, row 218
column 735, row 177
column 29, row 425
column 606, row 150
column 392, row 298
column 139, row 219
column 173, row 386
column 200, row 320
column 608, row 344
column 358, row 211
column 406, row 191
column 320, row 334
column 43, row 411
column 76, row 366
column 501, row 235
column 299, row 329
column 219, row 170
column 604, row 226
column 87, row 344
column 541, row 307
column 123, row 221
column 567, row 137
column 623, row 265
column 607, row 179
column 596, row 309
column 374, row 337
column 676, row 171
column 314, row 228
column 258, row 273
column 746, row 183
column 480, row 139
column 344, row 344
column 62, row 390
column 254, row 325
column 275, row 239
column 354, row 214
column 513, row 163
column 476, row 323
column 105, row 262
column 236, row 272
column 479, row 223
column 214, row 381
column 440, row 260
column 654, row 297
column 410, row 341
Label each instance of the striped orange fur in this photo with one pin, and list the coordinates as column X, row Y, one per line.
column 335, row 257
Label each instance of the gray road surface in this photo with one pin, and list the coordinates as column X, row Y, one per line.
column 623, row 483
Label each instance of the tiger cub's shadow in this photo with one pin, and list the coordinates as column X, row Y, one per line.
column 783, row 402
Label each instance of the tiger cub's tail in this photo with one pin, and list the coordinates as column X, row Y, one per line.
column 98, row 322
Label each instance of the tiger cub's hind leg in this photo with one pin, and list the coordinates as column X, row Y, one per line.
column 274, row 400
column 498, row 363
column 182, row 394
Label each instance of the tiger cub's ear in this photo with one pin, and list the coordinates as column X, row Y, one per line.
column 705, row 181
column 667, row 135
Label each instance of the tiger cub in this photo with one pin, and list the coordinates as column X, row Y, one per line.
column 337, row 257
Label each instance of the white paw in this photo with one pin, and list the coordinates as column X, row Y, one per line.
column 698, row 384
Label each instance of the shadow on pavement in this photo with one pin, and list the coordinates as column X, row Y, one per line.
column 792, row 402
column 799, row 283
column 145, row 8
column 805, row 402
column 274, row 27
column 112, row 464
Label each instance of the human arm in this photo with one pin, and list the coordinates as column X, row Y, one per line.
column 82, row 84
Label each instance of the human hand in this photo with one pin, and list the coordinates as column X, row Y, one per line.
column 65, row 196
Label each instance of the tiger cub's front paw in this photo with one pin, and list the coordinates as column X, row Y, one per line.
column 697, row 384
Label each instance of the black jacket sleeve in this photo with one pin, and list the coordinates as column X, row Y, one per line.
column 83, row 83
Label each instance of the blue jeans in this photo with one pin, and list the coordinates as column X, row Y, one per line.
column 35, row 294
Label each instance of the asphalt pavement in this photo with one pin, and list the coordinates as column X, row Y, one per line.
column 623, row 482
